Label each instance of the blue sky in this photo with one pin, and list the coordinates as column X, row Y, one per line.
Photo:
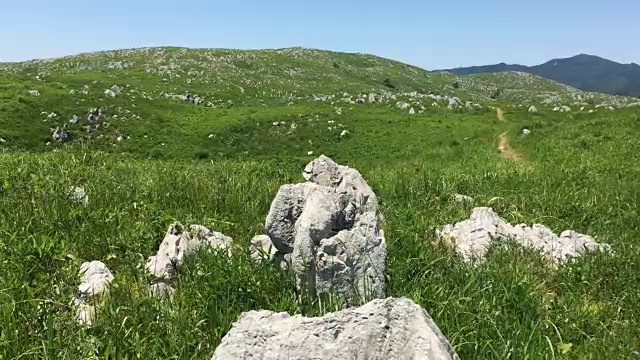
column 429, row 34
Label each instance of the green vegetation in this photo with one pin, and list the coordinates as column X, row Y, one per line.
column 221, row 166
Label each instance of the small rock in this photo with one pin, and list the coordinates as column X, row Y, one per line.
column 95, row 280
column 462, row 198
column 533, row 109
column 411, row 111
column 344, row 133
column 77, row 194
column 526, row 131
column 178, row 244
column 34, row 92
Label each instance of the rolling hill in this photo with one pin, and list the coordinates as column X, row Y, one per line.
column 156, row 136
column 135, row 88
column 585, row 72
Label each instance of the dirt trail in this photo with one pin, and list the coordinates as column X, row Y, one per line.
column 505, row 150
column 503, row 142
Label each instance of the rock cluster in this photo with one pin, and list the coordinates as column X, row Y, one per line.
column 471, row 237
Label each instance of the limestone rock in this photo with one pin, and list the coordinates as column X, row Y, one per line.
column 389, row 329
column 177, row 245
column 330, row 226
column 471, row 237
column 462, row 198
column 533, row 109
column 77, row 194
column 95, row 279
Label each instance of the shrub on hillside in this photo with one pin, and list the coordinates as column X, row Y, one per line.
column 156, row 153
column 387, row 83
column 202, row 154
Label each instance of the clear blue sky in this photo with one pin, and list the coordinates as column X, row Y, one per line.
column 429, row 34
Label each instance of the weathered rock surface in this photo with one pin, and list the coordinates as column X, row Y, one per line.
column 389, row 329
column 262, row 249
column 331, row 227
column 471, row 237
column 77, row 194
column 463, row 199
column 95, row 279
column 176, row 246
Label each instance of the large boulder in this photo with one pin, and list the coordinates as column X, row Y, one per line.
column 390, row 329
column 177, row 244
column 331, row 227
column 472, row 237
column 95, row 280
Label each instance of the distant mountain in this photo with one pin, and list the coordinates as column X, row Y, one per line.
column 585, row 72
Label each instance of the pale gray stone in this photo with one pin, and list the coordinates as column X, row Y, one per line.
column 472, row 237
column 95, row 280
column 384, row 329
column 177, row 244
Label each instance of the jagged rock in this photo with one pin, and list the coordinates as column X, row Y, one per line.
column 389, row 329
column 454, row 103
column 402, row 105
column 176, row 245
column 95, row 279
column 78, row 195
column 60, row 134
column 532, row 109
column 471, row 237
column 262, row 249
column 330, row 226
column 472, row 106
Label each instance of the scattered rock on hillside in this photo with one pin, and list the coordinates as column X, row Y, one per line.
column 59, row 134
column 454, row 103
column 526, row 131
column 96, row 278
column 472, row 236
column 533, row 109
column 390, row 329
column 77, row 194
column 331, row 227
column 34, row 92
column 462, row 198
column 179, row 243
column 412, row 111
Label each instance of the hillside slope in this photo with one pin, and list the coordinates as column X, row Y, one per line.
column 585, row 72
column 160, row 95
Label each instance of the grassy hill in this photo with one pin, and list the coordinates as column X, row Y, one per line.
column 141, row 93
column 221, row 166
column 586, row 72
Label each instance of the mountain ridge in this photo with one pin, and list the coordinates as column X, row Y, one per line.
column 583, row 71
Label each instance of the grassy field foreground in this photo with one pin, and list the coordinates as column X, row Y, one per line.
column 576, row 172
